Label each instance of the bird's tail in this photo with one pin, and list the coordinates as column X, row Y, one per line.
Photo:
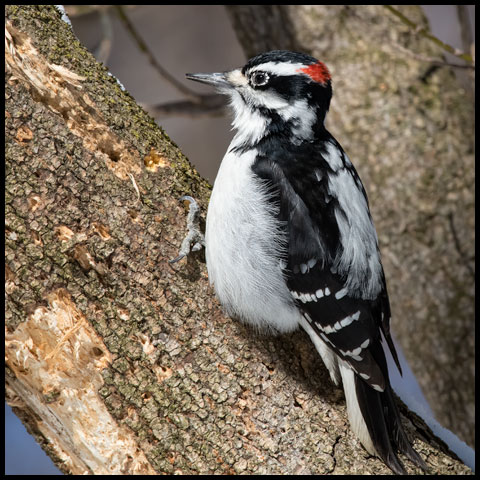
column 375, row 419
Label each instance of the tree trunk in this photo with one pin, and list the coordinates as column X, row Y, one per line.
column 116, row 361
column 408, row 126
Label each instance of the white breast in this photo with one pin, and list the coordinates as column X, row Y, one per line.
column 243, row 246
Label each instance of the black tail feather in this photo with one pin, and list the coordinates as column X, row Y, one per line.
column 383, row 422
column 399, row 436
column 376, row 416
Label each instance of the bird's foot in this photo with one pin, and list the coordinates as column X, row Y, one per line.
column 194, row 240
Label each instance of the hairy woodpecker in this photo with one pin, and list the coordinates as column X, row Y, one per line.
column 290, row 240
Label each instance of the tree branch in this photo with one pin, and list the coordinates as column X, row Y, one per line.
column 209, row 105
column 434, row 61
column 422, row 31
column 465, row 29
column 461, row 253
column 142, row 45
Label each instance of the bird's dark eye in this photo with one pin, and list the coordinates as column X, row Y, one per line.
column 259, row 79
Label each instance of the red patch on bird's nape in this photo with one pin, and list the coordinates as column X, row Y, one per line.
column 318, row 72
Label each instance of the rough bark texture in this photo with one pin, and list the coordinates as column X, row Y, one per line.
column 117, row 362
column 409, row 129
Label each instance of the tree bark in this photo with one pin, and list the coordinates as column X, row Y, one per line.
column 408, row 126
column 116, row 361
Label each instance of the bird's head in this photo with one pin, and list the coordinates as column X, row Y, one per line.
column 275, row 93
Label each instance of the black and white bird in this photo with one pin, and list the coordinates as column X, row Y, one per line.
column 290, row 240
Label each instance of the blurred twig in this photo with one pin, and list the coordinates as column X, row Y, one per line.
column 196, row 105
column 434, row 61
column 102, row 52
column 425, row 33
column 460, row 251
column 211, row 105
column 465, row 29
column 190, row 94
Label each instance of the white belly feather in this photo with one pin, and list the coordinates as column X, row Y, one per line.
column 243, row 247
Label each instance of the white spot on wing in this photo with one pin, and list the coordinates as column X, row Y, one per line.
column 341, row 293
column 305, row 267
column 312, row 262
column 346, row 321
column 355, row 353
column 327, row 354
column 343, row 323
column 328, row 329
column 303, row 297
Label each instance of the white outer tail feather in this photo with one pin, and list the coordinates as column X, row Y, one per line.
column 355, row 416
column 338, row 368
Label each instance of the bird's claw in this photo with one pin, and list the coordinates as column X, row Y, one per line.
column 194, row 235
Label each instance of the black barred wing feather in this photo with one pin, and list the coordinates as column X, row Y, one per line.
column 333, row 268
column 347, row 325
column 351, row 327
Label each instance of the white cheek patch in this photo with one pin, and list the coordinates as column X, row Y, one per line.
column 266, row 99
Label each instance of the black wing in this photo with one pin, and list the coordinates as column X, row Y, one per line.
column 300, row 183
column 349, row 323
